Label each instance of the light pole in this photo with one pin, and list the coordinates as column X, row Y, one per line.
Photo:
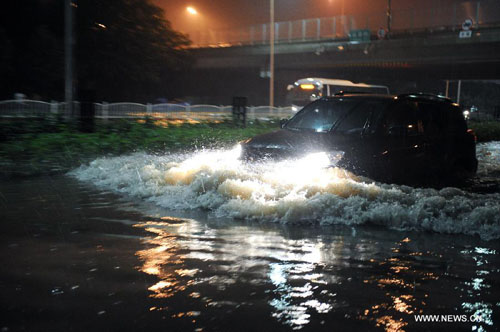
column 389, row 16
column 68, row 55
column 271, row 55
column 196, row 27
column 193, row 24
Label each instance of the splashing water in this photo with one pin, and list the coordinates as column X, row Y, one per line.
column 303, row 190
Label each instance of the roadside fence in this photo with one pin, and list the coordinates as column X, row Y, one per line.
column 34, row 108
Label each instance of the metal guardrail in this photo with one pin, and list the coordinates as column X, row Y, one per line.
column 27, row 107
column 451, row 17
column 123, row 110
column 34, row 108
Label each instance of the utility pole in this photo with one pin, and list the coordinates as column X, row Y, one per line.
column 271, row 56
column 389, row 17
column 68, row 55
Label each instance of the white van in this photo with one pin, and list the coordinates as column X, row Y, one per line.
column 305, row 90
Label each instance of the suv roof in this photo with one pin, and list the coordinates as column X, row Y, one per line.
column 364, row 95
column 426, row 96
column 356, row 95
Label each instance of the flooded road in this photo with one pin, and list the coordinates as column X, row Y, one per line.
column 203, row 243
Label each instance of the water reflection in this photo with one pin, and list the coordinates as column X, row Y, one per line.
column 399, row 280
column 476, row 288
column 291, row 303
column 162, row 258
column 182, row 253
column 308, row 278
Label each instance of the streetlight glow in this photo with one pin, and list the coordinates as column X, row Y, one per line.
column 192, row 10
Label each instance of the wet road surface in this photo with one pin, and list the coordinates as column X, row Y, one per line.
column 85, row 255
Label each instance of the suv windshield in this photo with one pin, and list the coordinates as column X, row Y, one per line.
column 321, row 115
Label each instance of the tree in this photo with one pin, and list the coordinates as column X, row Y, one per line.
column 126, row 50
column 31, row 58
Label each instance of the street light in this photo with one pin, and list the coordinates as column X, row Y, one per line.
column 192, row 10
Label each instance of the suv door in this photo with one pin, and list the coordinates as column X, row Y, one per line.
column 448, row 146
column 354, row 134
column 433, row 119
column 461, row 143
column 400, row 152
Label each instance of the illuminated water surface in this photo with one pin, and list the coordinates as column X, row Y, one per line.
column 192, row 243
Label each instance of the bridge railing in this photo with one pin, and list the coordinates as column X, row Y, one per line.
column 34, row 108
column 434, row 18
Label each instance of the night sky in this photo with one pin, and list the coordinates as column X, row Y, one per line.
column 216, row 14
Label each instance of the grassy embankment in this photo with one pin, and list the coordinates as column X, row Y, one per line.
column 45, row 145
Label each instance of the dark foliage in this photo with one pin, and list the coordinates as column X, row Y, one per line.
column 124, row 50
column 31, row 48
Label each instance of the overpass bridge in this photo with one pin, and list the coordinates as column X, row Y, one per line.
column 412, row 57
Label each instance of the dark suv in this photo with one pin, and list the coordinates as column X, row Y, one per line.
column 389, row 138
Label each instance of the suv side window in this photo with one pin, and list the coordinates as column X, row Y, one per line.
column 359, row 118
column 439, row 119
column 354, row 123
column 401, row 120
column 320, row 115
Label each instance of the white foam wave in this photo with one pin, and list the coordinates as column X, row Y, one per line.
column 291, row 191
